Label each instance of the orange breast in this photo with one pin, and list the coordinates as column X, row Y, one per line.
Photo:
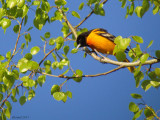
column 101, row 44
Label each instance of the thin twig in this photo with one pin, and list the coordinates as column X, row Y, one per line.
column 2, row 103
column 71, row 77
column 20, row 27
column 46, row 55
column 84, row 19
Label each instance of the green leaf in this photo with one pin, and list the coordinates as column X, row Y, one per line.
column 2, row 57
column 151, row 42
column 65, row 9
column 9, row 106
column 157, row 72
column 54, row 56
column 16, row 74
column 91, row 2
column 123, row 3
column 57, row 16
column 13, row 92
column 137, row 39
column 5, row 23
column 45, row 6
column 121, row 44
column 8, row 55
column 152, row 75
column 1, row 97
column 60, row 2
column 9, row 79
column 52, row 41
column 20, row 3
column 47, row 63
column 131, row 10
column 42, row 38
column 138, row 77
column 64, row 98
column 2, row 72
column 121, row 56
column 28, row 56
column 8, row 113
column 27, row 82
column 98, row 9
column 144, row 57
column 33, row 65
column 31, row 94
column 78, row 74
column 30, row 28
column 60, row 42
column 11, row 3
column 133, row 107
column 101, row 12
column 146, row 85
column 47, row 35
column 65, row 72
column 137, row 114
column 55, row 65
column 74, row 50
column 138, row 11
column 13, row 99
column 69, row 94
column 155, row 83
column 23, row 68
column 25, row 10
column 2, row 11
column 22, row 46
column 136, row 96
column 145, row 6
column 155, row 10
column 39, row 23
column 55, row 88
column 66, row 49
column 58, row 96
column 41, row 80
column 28, row 37
column 22, row 65
column 64, row 62
column 148, row 113
column 65, row 29
column 16, row 28
column 22, row 100
column 34, row 50
column 75, row 14
column 157, row 54
column 81, row 6
column 36, row 3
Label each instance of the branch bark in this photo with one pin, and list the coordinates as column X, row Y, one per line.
column 71, row 77
column 124, row 64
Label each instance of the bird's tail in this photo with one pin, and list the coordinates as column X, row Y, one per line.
column 131, row 69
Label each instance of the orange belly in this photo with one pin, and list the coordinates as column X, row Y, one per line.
column 101, row 44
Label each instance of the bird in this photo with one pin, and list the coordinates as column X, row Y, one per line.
column 100, row 40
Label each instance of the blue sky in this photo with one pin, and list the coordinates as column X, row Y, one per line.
column 105, row 97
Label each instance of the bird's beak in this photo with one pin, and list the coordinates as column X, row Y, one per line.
column 78, row 46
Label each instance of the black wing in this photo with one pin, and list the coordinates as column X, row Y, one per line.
column 104, row 33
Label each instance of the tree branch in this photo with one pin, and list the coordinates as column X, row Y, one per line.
column 84, row 19
column 71, row 77
column 124, row 64
column 20, row 27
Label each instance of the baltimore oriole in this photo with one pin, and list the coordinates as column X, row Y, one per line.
column 100, row 40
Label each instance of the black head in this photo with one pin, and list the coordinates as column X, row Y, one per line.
column 81, row 40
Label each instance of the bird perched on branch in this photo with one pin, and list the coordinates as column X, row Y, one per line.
column 99, row 39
